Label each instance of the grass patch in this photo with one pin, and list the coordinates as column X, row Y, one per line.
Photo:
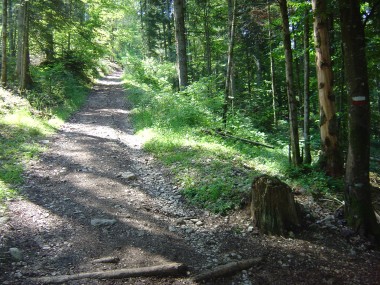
column 23, row 126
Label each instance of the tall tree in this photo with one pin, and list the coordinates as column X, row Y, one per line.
column 206, row 24
column 22, row 65
column 4, row 44
column 11, row 28
column 331, row 153
column 180, row 36
column 292, row 101
column 272, row 67
column 306, row 80
column 229, row 72
column 358, row 206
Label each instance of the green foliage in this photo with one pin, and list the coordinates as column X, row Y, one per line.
column 213, row 172
column 20, row 131
column 56, row 89
column 25, row 122
column 313, row 180
column 159, row 76
column 191, row 108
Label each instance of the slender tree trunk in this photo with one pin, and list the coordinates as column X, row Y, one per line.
column 25, row 76
column 207, row 37
column 49, row 50
column 164, row 31
column 272, row 70
column 331, row 154
column 11, row 30
column 22, row 68
column 249, row 68
column 358, row 206
column 296, row 64
column 4, row 45
column 169, row 31
column 180, row 35
column 20, row 44
column 258, row 69
column 69, row 34
column 292, row 102
column 306, row 79
column 227, row 89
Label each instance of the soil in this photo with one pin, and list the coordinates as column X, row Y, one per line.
column 95, row 193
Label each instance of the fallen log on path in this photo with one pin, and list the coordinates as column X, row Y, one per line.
column 227, row 269
column 226, row 135
column 170, row 269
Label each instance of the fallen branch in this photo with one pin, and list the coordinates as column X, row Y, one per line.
column 108, row 259
column 225, row 135
column 333, row 200
column 169, row 269
column 227, row 269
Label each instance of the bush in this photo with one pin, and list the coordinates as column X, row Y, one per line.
column 54, row 86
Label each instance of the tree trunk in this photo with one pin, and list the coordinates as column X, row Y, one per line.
column 207, row 54
column 11, row 29
column 170, row 31
column 49, row 50
column 4, row 45
column 331, row 157
column 306, row 58
column 180, row 36
column 227, row 89
column 22, row 67
column 69, row 33
column 358, row 206
column 292, row 102
column 272, row 70
column 273, row 207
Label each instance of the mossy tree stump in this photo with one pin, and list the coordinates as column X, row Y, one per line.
column 273, row 207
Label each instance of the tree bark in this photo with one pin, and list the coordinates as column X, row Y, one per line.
column 49, row 50
column 331, row 153
column 180, row 36
column 272, row 68
column 22, row 67
column 273, row 207
column 227, row 87
column 69, row 33
column 207, row 54
column 4, row 44
column 306, row 79
column 292, row 102
column 358, row 205
column 11, row 24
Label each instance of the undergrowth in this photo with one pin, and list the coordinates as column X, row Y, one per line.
column 26, row 121
column 212, row 171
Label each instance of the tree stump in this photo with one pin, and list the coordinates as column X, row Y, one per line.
column 272, row 206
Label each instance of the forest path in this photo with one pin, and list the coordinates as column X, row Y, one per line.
column 95, row 193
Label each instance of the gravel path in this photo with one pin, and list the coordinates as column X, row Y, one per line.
column 94, row 193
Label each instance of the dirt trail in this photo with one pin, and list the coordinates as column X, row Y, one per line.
column 94, row 193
